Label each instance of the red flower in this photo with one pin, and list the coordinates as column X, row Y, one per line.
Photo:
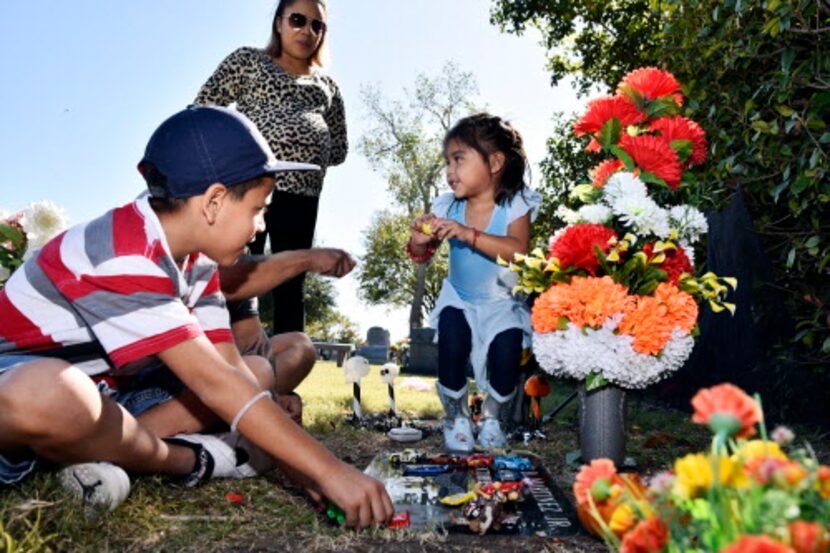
column 676, row 263
column 808, row 537
column 728, row 404
column 757, row 544
column 602, row 110
column 652, row 83
column 601, row 172
column 593, row 146
column 575, row 246
column 654, row 155
column 682, row 128
column 649, row 536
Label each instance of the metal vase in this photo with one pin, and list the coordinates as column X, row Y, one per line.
column 602, row 424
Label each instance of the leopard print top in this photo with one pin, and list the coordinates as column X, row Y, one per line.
column 301, row 116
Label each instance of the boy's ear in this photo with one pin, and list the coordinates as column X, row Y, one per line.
column 496, row 162
column 212, row 201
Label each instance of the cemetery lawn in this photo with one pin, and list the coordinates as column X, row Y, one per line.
column 274, row 516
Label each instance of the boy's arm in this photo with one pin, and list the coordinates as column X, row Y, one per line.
column 224, row 389
column 255, row 275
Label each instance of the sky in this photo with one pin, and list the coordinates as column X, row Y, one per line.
column 86, row 82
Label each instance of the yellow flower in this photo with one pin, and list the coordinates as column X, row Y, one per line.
column 695, row 474
column 754, row 449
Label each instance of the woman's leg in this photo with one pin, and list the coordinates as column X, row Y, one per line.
column 454, row 347
column 290, row 222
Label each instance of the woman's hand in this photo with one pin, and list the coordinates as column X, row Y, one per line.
column 444, row 229
column 422, row 230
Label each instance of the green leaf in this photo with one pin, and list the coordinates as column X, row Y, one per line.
column 649, row 177
column 595, row 381
column 812, row 242
column 623, row 156
column 825, row 346
column 786, row 111
column 610, row 133
column 791, row 258
column 683, row 148
column 562, row 323
column 662, row 107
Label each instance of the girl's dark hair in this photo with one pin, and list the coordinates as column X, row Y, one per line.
column 488, row 134
column 274, row 48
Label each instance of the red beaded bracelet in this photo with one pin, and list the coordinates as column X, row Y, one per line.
column 420, row 258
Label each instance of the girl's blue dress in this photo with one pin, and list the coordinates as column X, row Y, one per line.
column 480, row 287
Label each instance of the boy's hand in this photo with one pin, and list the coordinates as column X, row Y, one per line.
column 293, row 406
column 331, row 262
column 444, row 229
column 422, row 229
column 362, row 498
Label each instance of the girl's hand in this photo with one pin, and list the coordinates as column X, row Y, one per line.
column 444, row 229
column 422, row 230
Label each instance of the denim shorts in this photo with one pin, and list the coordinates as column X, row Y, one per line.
column 153, row 386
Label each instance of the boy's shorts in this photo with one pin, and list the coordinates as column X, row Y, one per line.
column 153, row 386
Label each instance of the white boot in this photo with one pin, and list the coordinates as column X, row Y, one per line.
column 490, row 434
column 458, row 428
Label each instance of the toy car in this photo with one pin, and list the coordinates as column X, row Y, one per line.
column 405, row 456
column 425, row 470
column 512, row 462
column 507, row 475
column 457, row 499
column 399, row 520
column 477, row 460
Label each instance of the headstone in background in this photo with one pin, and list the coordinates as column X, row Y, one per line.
column 423, row 352
column 377, row 348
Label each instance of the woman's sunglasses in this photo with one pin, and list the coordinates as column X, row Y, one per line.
column 298, row 21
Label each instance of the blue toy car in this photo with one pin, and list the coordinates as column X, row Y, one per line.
column 425, row 470
column 512, row 462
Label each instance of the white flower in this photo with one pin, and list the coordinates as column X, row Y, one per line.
column 689, row 250
column 42, row 221
column 782, row 435
column 623, row 184
column 689, row 222
column 567, row 214
column 594, row 213
column 556, row 236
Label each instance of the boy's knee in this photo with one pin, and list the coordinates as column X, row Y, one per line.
column 69, row 402
column 299, row 344
column 263, row 371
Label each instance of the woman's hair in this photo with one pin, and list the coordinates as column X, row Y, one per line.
column 274, row 48
column 488, row 134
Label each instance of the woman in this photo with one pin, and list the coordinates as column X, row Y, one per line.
column 300, row 112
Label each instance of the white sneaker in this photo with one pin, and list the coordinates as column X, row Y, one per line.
column 98, row 485
column 223, row 454
column 253, row 460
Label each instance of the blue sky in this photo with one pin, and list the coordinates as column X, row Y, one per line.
column 86, row 82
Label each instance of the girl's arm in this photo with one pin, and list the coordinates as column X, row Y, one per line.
column 516, row 241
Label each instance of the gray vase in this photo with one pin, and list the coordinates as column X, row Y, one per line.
column 602, row 424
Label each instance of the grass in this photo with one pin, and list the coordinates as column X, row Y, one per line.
column 38, row 516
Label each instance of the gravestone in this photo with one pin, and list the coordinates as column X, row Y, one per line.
column 377, row 348
column 423, row 352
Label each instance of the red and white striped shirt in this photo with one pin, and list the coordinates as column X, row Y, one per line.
column 108, row 296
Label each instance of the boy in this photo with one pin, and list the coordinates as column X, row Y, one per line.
column 139, row 286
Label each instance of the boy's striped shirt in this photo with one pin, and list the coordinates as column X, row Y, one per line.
column 107, row 296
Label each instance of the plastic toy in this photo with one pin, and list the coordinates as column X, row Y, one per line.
column 335, row 514
column 507, row 475
column 405, row 456
column 399, row 520
column 477, row 460
column 425, row 470
column 457, row 499
column 512, row 462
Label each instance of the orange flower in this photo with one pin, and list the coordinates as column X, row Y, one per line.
column 779, row 472
column 651, row 319
column 808, row 537
column 652, row 83
column 593, row 146
column 601, row 172
column 603, row 109
column 597, row 479
column 727, row 405
column 585, row 301
column 682, row 128
column 649, row 536
column 757, row 544
column 654, row 155
column 823, row 481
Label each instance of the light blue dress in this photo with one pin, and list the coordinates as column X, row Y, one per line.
column 480, row 287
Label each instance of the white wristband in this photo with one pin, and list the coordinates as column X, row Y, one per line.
column 247, row 406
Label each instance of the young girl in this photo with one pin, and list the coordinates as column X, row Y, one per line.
column 487, row 215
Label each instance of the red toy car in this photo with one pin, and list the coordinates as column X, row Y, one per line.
column 477, row 460
column 399, row 520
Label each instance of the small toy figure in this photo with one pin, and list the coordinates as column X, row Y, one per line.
column 536, row 387
column 501, row 491
column 487, row 510
column 512, row 462
column 475, row 404
column 405, row 456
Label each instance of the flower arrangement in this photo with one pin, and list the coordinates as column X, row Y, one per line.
column 618, row 293
column 744, row 495
column 24, row 232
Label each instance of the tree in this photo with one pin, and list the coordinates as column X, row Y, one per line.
column 404, row 144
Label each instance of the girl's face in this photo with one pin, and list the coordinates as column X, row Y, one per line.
column 301, row 28
column 468, row 173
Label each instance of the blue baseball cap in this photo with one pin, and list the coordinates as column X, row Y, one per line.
column 203, row 145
